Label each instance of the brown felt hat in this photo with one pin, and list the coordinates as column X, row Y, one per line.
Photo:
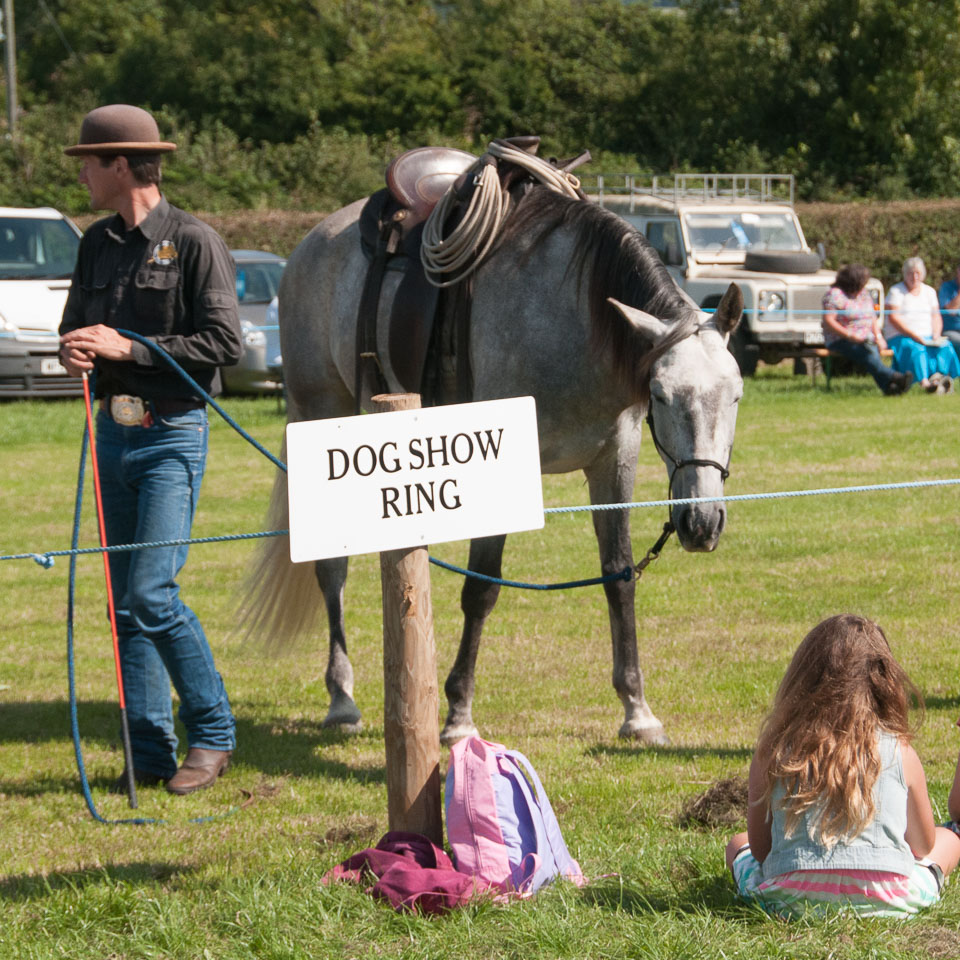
column 119, row 129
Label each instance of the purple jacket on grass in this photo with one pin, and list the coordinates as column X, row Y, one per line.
column 411, row 872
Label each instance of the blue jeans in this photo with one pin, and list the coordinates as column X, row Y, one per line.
column 867, row 356
column 150, row 478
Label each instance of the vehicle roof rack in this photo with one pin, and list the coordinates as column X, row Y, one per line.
column 702, row 187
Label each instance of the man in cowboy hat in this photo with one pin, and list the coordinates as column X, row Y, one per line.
column 159, row 272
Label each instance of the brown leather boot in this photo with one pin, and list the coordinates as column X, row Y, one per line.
column 199, row 770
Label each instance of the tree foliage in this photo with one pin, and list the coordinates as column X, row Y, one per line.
column 292, row 102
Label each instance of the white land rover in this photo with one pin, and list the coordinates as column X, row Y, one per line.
column 38, row 250
column 714, row 228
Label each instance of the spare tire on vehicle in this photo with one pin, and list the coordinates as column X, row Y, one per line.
column 781, row 261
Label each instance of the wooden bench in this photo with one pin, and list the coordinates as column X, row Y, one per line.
column 826, row 357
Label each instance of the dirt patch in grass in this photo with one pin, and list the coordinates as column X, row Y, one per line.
column 723, row 804
column 938, row 943
column 269, row 787
column 352, row 829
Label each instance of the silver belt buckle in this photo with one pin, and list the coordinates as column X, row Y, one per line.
column 126, row 410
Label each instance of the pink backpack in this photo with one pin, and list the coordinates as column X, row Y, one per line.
column 500, row 824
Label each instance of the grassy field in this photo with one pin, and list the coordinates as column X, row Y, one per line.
column 716, row 634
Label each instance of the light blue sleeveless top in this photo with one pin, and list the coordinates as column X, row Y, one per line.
column 881, row 846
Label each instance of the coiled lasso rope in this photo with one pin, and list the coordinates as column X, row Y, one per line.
column 470, row 241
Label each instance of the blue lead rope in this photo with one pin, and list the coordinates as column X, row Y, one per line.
column 71, row 673
column 170, row 362
column 625, row 574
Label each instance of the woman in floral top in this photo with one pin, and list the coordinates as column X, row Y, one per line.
column 851, row 327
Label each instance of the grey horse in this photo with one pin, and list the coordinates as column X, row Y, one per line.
column 574, row 308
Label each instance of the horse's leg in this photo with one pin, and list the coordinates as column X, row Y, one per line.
column 343, row 712
column 477, row 599
column 611, row 481
column 331, row 575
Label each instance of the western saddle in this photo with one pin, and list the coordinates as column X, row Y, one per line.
column 427, row 356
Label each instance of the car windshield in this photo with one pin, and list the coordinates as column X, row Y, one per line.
column 35, row 249
column 258, row 281
column 742, row 231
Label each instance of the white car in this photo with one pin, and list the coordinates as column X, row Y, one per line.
column 38, row 250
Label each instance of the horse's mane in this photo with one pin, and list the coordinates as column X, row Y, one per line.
column 617, row 261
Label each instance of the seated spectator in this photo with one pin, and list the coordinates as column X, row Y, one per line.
column 851, row 327
column 914, row 328
column 839, row 819
column 949, row 297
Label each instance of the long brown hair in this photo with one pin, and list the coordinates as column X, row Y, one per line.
column 820, row 739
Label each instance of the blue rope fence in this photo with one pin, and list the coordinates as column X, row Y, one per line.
column 46, row 559
column 739, row 497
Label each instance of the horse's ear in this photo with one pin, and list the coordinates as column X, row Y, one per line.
column 729, row 310
column 648, row 326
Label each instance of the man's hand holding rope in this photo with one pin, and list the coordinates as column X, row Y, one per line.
column 80, row 346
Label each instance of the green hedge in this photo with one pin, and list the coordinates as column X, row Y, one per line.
column 278, row 231
column 879, row 235
column 882, row 235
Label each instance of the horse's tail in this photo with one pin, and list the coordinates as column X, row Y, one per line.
column 282, row 599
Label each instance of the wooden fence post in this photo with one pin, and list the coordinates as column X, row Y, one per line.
column 410, row 696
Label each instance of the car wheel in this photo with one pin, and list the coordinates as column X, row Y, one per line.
column 746, row 354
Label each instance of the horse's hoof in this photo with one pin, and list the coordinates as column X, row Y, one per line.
column 649, row 736
column 348, row 729
column 452, row 732
column 344, row 714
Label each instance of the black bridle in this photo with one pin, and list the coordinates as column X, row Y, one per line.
column 654, row 552
column 679, row 464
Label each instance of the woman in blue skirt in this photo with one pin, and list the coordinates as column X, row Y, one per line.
column 914, row 331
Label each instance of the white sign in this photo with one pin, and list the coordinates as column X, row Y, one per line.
column 386, row 481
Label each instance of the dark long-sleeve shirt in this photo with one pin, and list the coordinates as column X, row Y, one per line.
column 170, row 279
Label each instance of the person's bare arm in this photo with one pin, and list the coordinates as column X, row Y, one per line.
column 921, row 829
column 758, row 814
column 936, row 322
column 878, row 337
column 830, row 319
column 898, row 323
column 953, row 801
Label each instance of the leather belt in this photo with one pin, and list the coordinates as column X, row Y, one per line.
column 130, row 411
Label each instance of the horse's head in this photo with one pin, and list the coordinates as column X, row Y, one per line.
column 695, row 387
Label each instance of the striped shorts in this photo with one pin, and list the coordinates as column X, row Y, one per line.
column 867, row 893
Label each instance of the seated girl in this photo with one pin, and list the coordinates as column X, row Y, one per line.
column 839, row 816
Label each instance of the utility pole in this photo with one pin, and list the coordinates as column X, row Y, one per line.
column 10, row 64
